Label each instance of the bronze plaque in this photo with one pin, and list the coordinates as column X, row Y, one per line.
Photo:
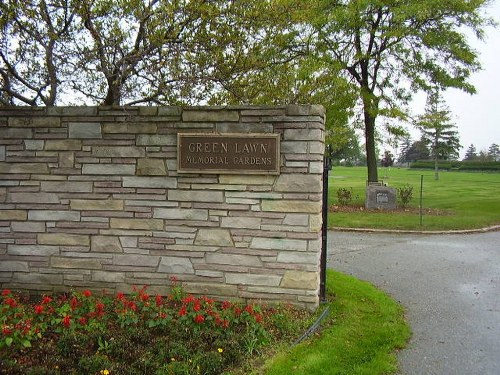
column 228, row 153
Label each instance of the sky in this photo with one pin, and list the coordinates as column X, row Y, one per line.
column 477, row 117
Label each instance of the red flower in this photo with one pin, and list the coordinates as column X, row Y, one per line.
column 39, row 309
column 189, row 299
column 66, row 321
column 6, row 292
column 249, row 309
column 258, row 318
column 197, row 305
column 6, row 330
column 144, row 297
column 99, row 306
column 132, row 306
column 182, row 311
column 199, row 319
column 73, row 303
column 158, row 300
column 87, row 293
column 82, row 321
column 46, row 300
column 11, row 302
column 120, row 296
column 226, row 305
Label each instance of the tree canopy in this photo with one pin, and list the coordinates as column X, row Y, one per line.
column 362, row 59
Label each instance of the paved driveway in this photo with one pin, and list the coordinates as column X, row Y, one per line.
column 450, row 287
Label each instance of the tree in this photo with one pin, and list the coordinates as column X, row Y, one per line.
column 438, row 131
column 418, row 151
column 405, row 147
column 470, row 154
column 389, row 49
column 494, row 152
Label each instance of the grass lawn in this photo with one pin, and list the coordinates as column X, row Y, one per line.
column 364, row 329
column 458, row 200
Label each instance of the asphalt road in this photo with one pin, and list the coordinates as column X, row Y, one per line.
column 449, row 286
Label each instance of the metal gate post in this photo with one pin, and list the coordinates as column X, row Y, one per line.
column 327, row 166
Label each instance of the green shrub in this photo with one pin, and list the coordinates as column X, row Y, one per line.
column 344, row 196
column 405, row 195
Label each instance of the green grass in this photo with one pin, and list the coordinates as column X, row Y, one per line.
column 469, row 199
column 360, row 336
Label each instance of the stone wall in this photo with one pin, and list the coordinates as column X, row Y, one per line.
column 90, row 197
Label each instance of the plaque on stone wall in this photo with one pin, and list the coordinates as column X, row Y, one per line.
column 228, row 153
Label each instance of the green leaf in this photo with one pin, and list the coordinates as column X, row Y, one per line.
column 8, row 341
column 27, row 343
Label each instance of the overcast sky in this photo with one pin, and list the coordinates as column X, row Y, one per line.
column 477, row 117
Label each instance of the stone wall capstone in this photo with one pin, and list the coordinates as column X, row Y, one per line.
column 90, row 197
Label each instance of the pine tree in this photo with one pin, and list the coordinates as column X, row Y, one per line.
column 471, row 153
column 494, row 152
column 438, row 131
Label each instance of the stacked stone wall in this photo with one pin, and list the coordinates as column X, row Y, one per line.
column 90, row 197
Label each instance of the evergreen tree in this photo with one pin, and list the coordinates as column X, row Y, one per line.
column 494, row 152
column 438, row 131
column 471, row 153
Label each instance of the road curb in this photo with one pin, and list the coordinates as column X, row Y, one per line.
column 405, row 231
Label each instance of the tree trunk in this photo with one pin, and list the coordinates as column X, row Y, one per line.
column 371, row 155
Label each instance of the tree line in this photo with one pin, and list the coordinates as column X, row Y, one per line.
column 362, row 59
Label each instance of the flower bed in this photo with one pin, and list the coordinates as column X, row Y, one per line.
column 84, row 333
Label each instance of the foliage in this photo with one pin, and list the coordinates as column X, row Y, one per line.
column 470, row 154
column 387, row 160
column 455, row 165
column 344, row 196
column 388, row 51
column 136, row 333
column 405, row 195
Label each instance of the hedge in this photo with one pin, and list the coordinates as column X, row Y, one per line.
column 458, row 165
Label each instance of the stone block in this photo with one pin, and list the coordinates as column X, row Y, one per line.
column 244, row 127
column 13, row 266
column 296, row 220
column 63, row 145
column 118, row 152
column 291, row 206
column 66, row 186
column 176, row 266
column 141, row 224
column 63, row 239
column 2, row 153
column 53, row 215
column 32, row 250
column 156, row 140
column 15, row 133
column 33, row 198
column 24, row 168
column 108, row 276
column 278, row 244
column 35, row 122
column 38, row 278
column 96, row 204
column 108, row 169
column 210, row 116
column 66, row 159
column 150, row 182
column 13, row 215
column 170, row 111
column 181, row 214
column 241, row 222
column 298, row 183
column 294, row 147
column 233, row 259
column 213, row 237
column 85, row 130
column 303, row 134
column 136, row 260
column 106, row 244
column 75, row 263
column 209, row 289
column 128, row 128
column 305, row 110
column 28, row 226
column 249, row 279
column 315, row 222
column 296, row 257
column 300, row 280
column 151, row 167
column 246, row 180
column 196, row 196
